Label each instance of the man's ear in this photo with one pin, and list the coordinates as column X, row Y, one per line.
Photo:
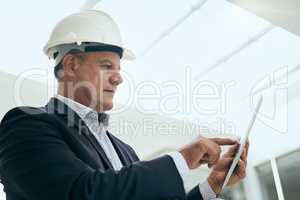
column 70, row 65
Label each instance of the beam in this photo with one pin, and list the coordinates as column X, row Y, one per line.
column 169, row 30
column 282, row 13
column 89, row 4
column 236, row 51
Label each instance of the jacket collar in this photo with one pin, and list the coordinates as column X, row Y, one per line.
column 73, row 110
column 55, row 106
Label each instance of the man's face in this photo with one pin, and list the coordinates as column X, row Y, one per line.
column 96, row 79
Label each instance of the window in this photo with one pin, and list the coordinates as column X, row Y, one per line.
column 236, row 192
column 289, row 171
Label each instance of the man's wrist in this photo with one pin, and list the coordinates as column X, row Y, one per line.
column 206, row 191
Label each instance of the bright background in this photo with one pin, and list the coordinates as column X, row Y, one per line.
column 218, row 44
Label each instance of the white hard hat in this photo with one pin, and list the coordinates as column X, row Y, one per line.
column 83, row 29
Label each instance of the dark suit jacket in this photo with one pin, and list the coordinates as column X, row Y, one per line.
column 48, row 153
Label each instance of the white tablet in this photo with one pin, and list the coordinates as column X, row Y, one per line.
column 242, row 143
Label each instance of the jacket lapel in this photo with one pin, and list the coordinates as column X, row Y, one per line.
column 73, row 120
column 121, row 151
column 99, row 149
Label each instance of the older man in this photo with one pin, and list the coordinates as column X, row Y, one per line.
column 63, row 151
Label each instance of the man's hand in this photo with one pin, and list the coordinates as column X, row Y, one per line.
column 220, row 169
column 204, row 151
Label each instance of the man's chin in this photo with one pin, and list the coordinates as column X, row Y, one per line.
column 108, row 106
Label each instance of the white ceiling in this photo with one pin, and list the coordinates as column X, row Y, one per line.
column 281, row 13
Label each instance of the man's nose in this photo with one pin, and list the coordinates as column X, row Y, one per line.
column 116, row 78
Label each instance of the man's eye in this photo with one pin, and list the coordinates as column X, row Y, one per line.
column 106, row 66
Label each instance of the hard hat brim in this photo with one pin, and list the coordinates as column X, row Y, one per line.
column 128, row 54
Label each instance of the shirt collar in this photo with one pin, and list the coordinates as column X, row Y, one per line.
column 84, row 111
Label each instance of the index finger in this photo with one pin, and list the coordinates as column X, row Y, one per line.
column 224, row 141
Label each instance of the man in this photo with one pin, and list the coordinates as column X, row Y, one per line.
column 63, row 151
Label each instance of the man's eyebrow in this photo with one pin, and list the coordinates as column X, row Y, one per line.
column 107, row 60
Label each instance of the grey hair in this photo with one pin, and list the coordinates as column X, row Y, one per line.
column 58, row 69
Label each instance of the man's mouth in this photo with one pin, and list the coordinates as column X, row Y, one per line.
column 111, row 91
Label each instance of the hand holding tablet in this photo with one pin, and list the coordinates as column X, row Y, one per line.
column 242, row 143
